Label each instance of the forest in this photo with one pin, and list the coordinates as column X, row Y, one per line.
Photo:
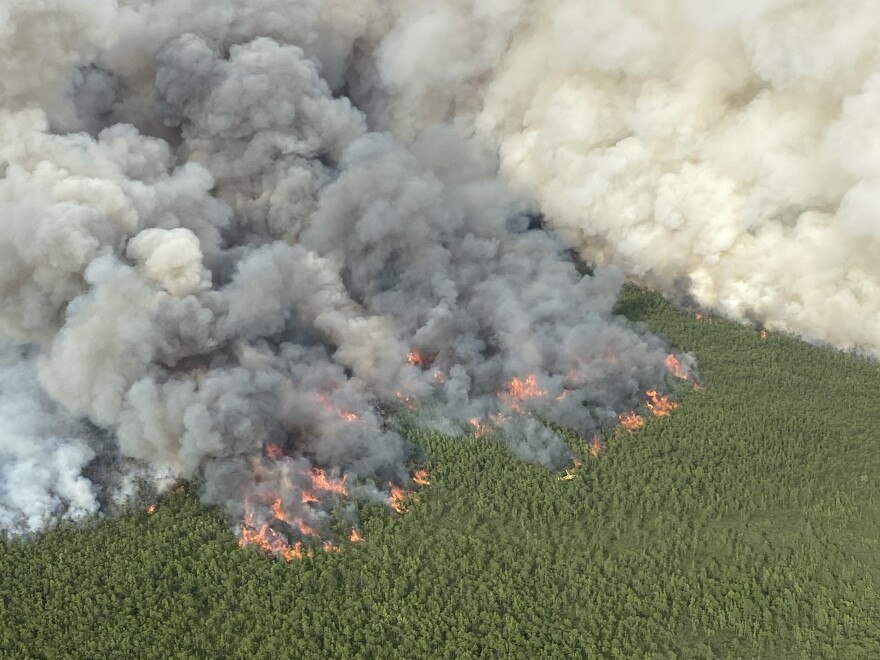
column 743, row 525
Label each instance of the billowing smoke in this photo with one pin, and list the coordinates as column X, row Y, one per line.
column 42, row 453
column 726, row 151
column 214, row 266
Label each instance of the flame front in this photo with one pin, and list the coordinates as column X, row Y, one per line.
column 341, row 414
column 596, row 446
column 660, row 406
column 673, row 365
column 421, row 478
column 397, row 498
column 265, row 534
column 355, row 536
column 418, row 360
column 631, row 421
column 303, row 529
column 479, row 428
column 266, row 538
column 520, row 390
column 151, row 509
column 320, row 482
column 279, row 513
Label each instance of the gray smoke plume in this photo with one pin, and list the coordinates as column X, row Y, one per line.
column 727, row 149
column 210, row 257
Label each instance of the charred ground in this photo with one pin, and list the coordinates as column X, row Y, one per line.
column 745, row 524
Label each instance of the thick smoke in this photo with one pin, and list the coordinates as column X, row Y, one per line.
column 42, row 452
column 211, row 258
column 729, row 150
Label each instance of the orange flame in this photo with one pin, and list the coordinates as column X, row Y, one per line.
column 763, row 333
column 341, row 414
column 596, row 446
column 329, row 547
column 321, row 482
column 519, row 390
column 355, row 536
column 698, row 316
column 631, row 421
column 268, row 540
column 278, row 513
column 660, row 406
column 308, row 497
column 479, row 428
column 420, row 477
column 304, row 529
column 396, row 500
column 297, row 523
column 151, row 509
column 273, row 451
column 564, row 393
column 673, row 365
column 525, row 389
column 293, row 552
column 418, row 360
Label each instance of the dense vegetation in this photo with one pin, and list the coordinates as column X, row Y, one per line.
column 744, row 525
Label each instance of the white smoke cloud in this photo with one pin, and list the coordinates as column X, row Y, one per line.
column 42, row 452
column 171, row 257
column 730, row 151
